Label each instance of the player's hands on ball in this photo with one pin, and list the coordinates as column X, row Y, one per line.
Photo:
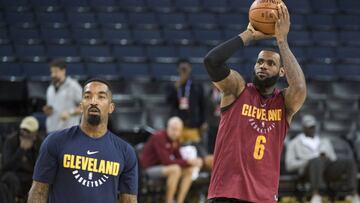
column 257, row 35
column 251, row 34
column 282, row 25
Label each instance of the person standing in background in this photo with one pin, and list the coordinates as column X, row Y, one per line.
column 186, row 98
column 62, row 99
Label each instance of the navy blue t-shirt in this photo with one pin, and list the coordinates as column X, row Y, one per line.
column 83, row 169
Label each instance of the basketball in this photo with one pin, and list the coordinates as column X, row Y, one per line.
column 261, row 17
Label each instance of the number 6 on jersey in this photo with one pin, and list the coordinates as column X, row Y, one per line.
column 259, row 147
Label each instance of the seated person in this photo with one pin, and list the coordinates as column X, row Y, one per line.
column 161, row 158
column 20, row 151
column 315, row 160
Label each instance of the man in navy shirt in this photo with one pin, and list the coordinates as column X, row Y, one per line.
column 86, row 163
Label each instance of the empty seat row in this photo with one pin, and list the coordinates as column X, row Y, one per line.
column 324, row 6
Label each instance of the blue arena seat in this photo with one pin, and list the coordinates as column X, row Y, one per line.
column 324, row 38
column 143, row 20
column 166, row 54
column 43, row 3
column 81, row 34
column 17, row 33
column 324, row 6
column 97, row 50
column 6, row 50
column 102, row 69
column 188, row 5
column 11, row 3
column 346, row 89
column 298, row 22
column 320, row 54
column 130, row 70
column 208, row 37
column 348, row 22
column 299, row 38
column 13, row 17
column 234, row 21
column 71, row 3
column 160, row 5
column 349, row 6
column 173, row 20
column 163, row 70
column 130, row 53
column 192, row 53
column 50, row 17
column 216, row 6
column 36, row 70
column 80, row 17
column 115, row 36
column 299, row 6
column 76, row 69
column 199, row 71
column 29, row 50
column 10, row 69
column 348, row 71
column 49, row 34
column 184, row 37
column 3, row 34
column 242, row 6
column 320, row 22
column 349, row 38
column 152, row 37
column 133, row 5
column 113, row 17
column 103, row 3
column 62, row 50
column 202, row 20
column 320, row 72
column 348, row 54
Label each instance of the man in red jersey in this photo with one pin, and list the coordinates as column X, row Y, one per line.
column 161, row 158
column 255, row 116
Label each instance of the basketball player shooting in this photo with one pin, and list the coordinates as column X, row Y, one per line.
column 255, row 116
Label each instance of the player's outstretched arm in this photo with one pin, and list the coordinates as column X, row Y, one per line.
column 128, row 198
column 38, row 193
column 296, row 92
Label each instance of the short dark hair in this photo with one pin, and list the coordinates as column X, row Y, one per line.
column 275, row 50
column 182, row 60
column 98, row 80
column 58, row 62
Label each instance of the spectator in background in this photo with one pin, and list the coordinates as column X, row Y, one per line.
column 19, row 154
column 161, row 158
column 186, row 98
column 62, row 99
column 314, row 158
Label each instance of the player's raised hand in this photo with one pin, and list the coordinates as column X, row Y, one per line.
column 282, row 25
column 257, row 35
column 250, row 34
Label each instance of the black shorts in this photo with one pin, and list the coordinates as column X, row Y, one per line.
column 226, row 200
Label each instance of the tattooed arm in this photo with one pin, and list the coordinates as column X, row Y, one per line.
column 38, row 193
column 128, row 198
column 295, row 94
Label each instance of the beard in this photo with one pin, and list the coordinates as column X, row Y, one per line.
column 265, row 83
column 94, row 120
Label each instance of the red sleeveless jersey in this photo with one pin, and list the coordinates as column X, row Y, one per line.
column 248, row 148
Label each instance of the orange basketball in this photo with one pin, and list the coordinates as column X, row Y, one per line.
column 261, row 17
